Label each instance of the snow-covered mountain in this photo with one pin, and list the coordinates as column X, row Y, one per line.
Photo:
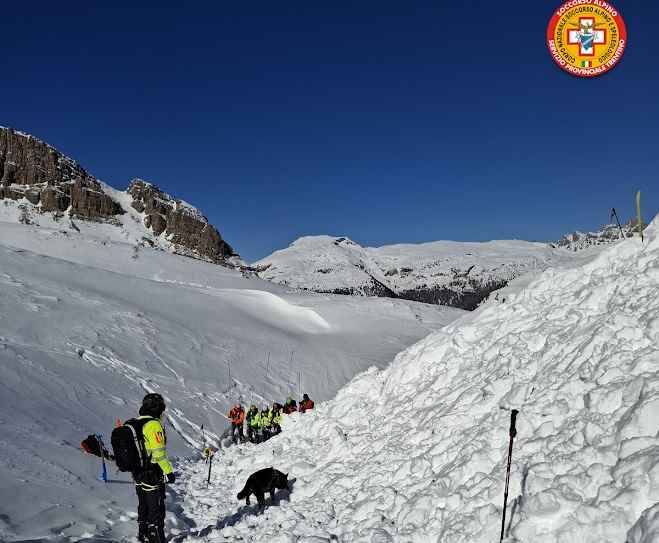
column 459, row 274
column 90, row 321
column 609, row 233
column 40, row 185
column 417, row 452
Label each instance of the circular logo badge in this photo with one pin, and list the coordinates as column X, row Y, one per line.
column 586, row 37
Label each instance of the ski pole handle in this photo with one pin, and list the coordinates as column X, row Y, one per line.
column 513, row 418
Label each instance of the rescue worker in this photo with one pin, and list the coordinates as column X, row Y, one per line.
column 150, row 482
column 290, row 406
column 251, row 428
column 237, row 416
column 306, row 404
column 255, row 423
column 264, row 424
column 276, row 419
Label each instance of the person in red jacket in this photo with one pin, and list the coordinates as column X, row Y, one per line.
column 237, row 416
column 306, row 404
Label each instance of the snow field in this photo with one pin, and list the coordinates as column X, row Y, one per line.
column 87, row 327
column 417, row 452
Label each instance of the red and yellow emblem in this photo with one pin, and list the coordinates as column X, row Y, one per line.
column 586, row 37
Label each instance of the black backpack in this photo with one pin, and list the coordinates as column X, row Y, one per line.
column 128, row 445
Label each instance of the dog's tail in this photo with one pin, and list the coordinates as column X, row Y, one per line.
column 243, row 493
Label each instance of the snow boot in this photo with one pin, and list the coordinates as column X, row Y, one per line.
column 156, row 533
column 142, row 535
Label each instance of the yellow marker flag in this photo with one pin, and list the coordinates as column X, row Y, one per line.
column 638, row 214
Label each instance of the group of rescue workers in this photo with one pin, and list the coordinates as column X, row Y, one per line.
column 262, row 425
column 149, row 464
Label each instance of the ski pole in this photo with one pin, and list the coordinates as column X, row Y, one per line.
column 512, row 433
column 615, row 215
column 210, row 465
column 203, row 437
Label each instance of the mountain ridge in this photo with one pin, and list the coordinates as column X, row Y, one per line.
column 458, row 274
column 43, row 181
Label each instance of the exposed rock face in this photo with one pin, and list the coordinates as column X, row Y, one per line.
column 32, row 169
column 47, row 179
column 54, row 199
column 181, row 223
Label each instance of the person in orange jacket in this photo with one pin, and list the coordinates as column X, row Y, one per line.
column 237, row 417
column 306, row 404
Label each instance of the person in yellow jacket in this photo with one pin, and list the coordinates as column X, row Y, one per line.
column 150, row 481
column 276, row 418
column 252, row 422
column 264, row 424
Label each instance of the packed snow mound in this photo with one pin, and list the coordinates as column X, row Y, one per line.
column 459, row 274
column 417, row 452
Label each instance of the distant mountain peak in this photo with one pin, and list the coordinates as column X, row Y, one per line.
column 609, row 233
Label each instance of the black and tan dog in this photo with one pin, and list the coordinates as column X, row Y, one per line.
column 262, row 481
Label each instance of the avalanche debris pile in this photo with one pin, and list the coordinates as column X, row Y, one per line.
column 417, row 452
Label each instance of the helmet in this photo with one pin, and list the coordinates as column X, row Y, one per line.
column 305, row 396
column 153, row 405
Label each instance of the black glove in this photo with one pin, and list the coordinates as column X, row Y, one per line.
column 171, row 478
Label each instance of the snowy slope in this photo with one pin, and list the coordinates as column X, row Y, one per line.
column 89, row 322
column 126, row 228
column 417, row 452
column 460, row 274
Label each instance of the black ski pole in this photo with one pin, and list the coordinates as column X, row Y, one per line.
column 614, row 214
column 512, row 433
column 210, row 465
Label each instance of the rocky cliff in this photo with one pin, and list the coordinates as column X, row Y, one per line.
column 181, row 223
column 34, row 170
column 44, row 180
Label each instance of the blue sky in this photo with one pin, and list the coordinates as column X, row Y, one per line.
column 386, row 122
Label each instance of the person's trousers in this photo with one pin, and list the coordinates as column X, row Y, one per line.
column 151, row 512
column 237, row 428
